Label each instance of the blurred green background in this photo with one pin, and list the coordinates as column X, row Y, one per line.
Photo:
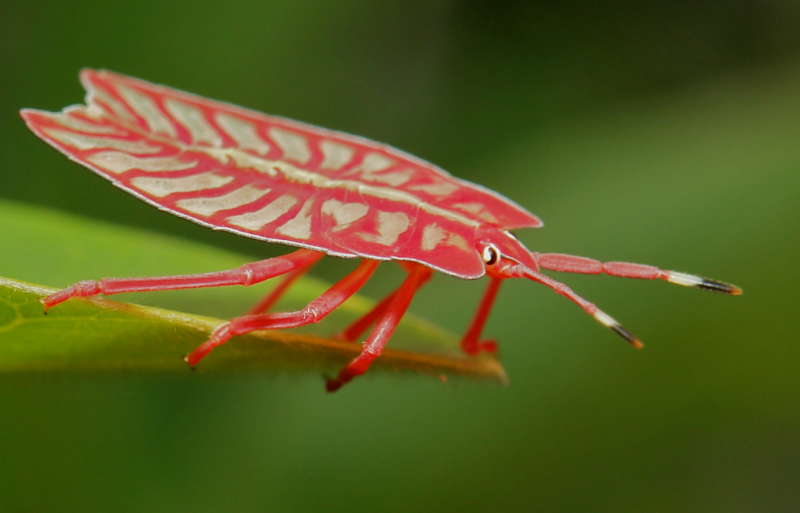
column 660, row 132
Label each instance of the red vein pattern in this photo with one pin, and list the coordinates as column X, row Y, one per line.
column 275, row 179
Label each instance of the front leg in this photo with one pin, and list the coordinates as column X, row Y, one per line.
column 471, row 343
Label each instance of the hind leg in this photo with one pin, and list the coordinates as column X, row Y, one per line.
column 248, row 274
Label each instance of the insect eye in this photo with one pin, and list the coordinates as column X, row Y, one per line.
column 491, row 254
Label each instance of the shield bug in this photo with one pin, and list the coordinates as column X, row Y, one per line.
column 324, row 192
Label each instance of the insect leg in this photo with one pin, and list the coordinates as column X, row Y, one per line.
column 590, row 308
column 352, row 332
column 576, row 264
column 471, row 343
column 382, row 331
column 275, row 294
column 248, row 274
column 314, row 312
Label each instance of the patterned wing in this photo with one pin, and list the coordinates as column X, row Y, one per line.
column 272, row 178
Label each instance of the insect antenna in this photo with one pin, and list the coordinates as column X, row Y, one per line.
column 582, row 265
column 590, row 308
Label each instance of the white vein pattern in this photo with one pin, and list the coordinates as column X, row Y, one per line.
column 210, row 206
column 292, row 174
column 90, row 142
column 433, row 235
column 195, row 122
column 436, row 189
column 255, row 221
column 335, row 155
column 293, row 145
column 344, row 213
column 148, row 110
column 372, row 163
column 243, row 132
column 390, row 226
column 116, row 162
column 458, row 241
column 476, row 209
column 392, row 179
column 160, row 187
column 116, row 107
column 67, row 121
column 373, row 168
column 299, row 227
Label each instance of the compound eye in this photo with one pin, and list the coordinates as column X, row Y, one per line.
column 491, row 255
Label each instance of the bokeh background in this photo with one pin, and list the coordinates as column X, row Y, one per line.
column 660, row 132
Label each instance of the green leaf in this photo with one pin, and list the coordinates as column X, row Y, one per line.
column 102, row 335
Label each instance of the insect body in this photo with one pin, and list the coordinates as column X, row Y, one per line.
column 322, row 191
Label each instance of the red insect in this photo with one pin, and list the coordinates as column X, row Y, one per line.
column 325, row 192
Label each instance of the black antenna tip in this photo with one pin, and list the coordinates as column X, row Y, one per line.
column 720, row 287
column 609, row 322
column 690, row 280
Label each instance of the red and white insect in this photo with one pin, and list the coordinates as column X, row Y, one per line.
column 322, row 191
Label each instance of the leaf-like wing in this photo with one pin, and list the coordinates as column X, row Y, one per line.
column 274, row 179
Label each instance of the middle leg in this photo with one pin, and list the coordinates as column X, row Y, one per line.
column 382, row 331
column 355, row 330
